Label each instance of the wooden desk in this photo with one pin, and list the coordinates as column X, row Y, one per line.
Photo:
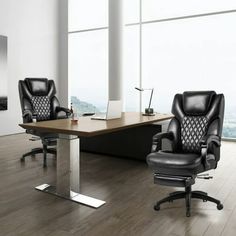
column 67, row 183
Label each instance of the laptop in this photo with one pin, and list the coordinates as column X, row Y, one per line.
column 114, row 110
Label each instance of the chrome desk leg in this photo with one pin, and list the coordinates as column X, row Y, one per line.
column 68, row 173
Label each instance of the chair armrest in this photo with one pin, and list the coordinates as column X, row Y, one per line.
column 206, row 140
column 63, row 109
column 158, row 137
column 211, row 139
column 28, row 116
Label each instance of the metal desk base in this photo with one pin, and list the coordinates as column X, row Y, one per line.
column 75, row 197
column 68, row 173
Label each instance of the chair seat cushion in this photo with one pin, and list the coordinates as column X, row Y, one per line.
column 50, row 139
column 177, row 160
column 165, row 162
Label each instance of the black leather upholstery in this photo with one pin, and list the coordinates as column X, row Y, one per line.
column 195, row 134
column 38, row 87
column 41, row 107
column 193, row 128
column 37, row 96
column 197, row 103
column 38, row 100
column 179, row 160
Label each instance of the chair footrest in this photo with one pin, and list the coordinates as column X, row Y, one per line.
column 172, row 180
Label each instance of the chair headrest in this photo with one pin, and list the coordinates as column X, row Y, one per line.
column 197, row 102
column 37, row 86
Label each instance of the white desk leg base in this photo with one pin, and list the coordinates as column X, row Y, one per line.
column 75, row 197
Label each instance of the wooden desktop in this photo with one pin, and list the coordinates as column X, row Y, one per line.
column 68, row 148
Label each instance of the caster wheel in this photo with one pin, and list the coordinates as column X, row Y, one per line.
column 220, row 206
column 22, row 159
column 157, row 208
column 188, row 214
column 204, row 200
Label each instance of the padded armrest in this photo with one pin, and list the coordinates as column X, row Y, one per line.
column 27, row 113
column 206, row 140
column 209, row 139
column 66, row 110
column 158, row 137
column 28, row 116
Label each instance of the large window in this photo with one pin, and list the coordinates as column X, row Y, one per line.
column 188, row 46
column 131, row 69
column 88, row 55
column 87, row 14
column 163, row 9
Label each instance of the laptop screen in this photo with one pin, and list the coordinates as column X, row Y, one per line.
column 114, row 109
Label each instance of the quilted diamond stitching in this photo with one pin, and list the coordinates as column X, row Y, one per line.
column 41, row 106
column 193, row 128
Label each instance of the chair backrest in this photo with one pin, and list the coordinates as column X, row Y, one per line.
column 197, row 114
column 37, row 95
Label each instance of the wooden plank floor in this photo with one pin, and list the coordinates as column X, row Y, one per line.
column 127, row 187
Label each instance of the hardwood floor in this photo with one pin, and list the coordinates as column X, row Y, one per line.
column 127, row 187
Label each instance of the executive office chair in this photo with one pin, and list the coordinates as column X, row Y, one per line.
column 38, row 101
column 195, row 135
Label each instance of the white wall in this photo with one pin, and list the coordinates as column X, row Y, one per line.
column 32, row 30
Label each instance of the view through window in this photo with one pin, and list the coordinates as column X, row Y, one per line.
column 88, row 55
column 170, row 49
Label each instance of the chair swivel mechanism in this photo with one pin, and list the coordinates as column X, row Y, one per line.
column 195, row 136
column 38, row 101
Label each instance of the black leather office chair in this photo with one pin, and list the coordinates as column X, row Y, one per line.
column 195, row 135
column 38, row 101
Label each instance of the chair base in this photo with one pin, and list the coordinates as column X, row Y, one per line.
column 188, row 194
column 43, row 150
